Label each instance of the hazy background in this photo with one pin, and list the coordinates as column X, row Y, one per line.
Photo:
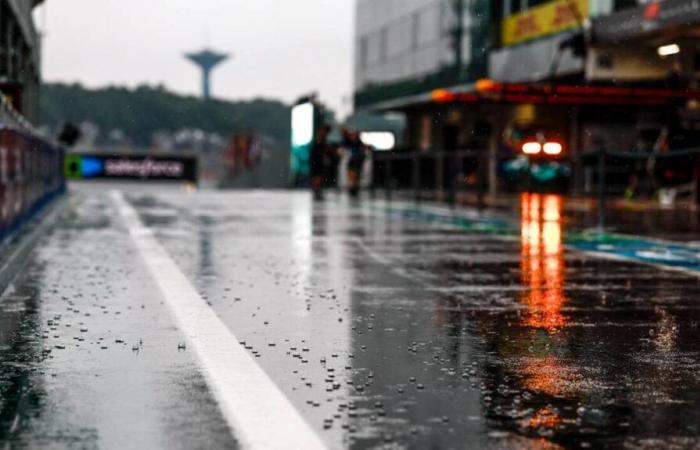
column 281, row 48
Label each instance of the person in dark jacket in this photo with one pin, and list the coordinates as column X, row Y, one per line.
column 320, row 155
column 356, row 151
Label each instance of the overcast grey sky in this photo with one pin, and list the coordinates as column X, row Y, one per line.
column 281, row 48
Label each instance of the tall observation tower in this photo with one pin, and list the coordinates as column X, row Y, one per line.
column 206, row 60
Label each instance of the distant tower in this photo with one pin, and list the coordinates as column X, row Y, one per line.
column 206, row 60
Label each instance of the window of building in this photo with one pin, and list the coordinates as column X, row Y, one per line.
column 511, row 7
column 364, row 52
column 415, row 31
column 383, row 44
column 624, row 4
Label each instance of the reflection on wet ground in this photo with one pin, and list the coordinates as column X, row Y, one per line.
column 396, row 331
column 384, row 330
column 542, row 261
column 88, row 355
column 20, row 352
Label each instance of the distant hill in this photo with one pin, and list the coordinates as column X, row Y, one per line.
column 144, row 110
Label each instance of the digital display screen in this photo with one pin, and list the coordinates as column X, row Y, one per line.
column 302, row 124
column 303, row 128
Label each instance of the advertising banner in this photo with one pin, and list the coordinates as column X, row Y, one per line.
column 162, row 168
column 550, row 18
column 30, row 176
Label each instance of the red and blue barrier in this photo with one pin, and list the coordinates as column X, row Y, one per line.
column 31, row 172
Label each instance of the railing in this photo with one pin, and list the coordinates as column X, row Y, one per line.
column 31, row 170
column 439, row 172
column 641, row 174
column 598, row 174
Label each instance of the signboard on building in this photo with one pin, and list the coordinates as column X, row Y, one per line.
column 646, row 19
column 550, row 18
column 626, row 63
column 89, row 166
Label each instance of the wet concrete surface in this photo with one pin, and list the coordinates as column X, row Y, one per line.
column 384, row 330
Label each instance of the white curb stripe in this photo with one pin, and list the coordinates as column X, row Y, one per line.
column 259, row 414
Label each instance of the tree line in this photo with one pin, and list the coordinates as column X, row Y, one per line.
column 144, row 110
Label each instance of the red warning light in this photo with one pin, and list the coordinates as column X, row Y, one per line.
column 652, row 11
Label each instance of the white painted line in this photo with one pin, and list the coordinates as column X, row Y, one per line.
column 622, row 258
column 259, row 414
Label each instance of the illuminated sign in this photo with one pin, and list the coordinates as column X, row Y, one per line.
column 302, row 124
column 550, row 18
column 130, row 167
column 303, row 129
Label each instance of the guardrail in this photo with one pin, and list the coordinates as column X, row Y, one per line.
column 600, row 174
column 437, row 171
column 641, row 174
column 31, row 170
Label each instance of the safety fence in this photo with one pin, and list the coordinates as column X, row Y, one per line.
column 425, row 173
column 668, row 176
column 31, row 170
column 601, row 174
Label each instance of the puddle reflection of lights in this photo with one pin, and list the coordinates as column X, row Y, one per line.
column 666, row 335
column 543, row 418
column 541, row 368
column 542, row 260
column 552, row 208
column 551, row 237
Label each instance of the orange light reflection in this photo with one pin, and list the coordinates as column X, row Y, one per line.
column 542, row 260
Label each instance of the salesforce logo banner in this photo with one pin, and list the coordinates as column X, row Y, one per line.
column 161, row 168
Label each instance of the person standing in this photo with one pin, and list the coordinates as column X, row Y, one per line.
column 320, row 154
column 356, row 154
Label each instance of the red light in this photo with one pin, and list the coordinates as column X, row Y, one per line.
column 532, row 148
column 652, row 11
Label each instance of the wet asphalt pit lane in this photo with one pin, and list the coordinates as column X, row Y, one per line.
column 87, row 356
column 404, row 340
